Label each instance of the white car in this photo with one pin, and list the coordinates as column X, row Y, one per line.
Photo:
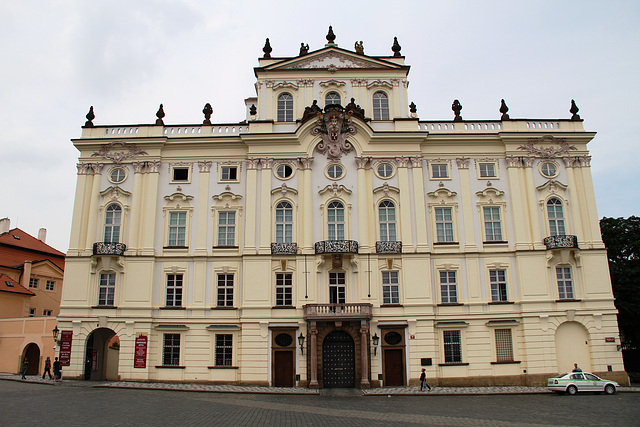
column 574, row 382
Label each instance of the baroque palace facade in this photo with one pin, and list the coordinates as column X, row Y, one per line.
column 322, row 243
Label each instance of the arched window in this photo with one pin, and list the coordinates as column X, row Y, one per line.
column 556, row 217
column 284, row 222
column 387, row 218
column 380, row 106
column 285, row 108
column 112, row 221
column 331, row 98
column 335, row 221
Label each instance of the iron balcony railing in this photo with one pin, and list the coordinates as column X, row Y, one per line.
column 337, row 311
column 389, row 247
column 102, row 248
column 284, row 248
column 561, row 242
column 336, row 247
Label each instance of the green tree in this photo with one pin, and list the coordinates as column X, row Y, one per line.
column 621, row 236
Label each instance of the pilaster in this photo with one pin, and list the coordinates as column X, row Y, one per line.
column 265, row 206
column 465, row 199
column 251, row 204
column 402, row 163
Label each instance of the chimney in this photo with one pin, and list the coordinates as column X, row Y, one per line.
column 5, row 225
column 42, row 235
column 26, row 274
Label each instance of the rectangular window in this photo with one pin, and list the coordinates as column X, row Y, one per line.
column 33, row 283
column 224, row 350
column 47, row 312
column 439, row 171
column 177, row 228
column 504, row 346
column 487, row 170
column 49, row 286
column 225, row 290
column 565, row 285
column 498, row 279
column 171, row 350
column 284, row 289
column 229, row 173
column 32, row 312
column 444, row 224
column 174, row 290
column 448, row 287
column 390, row 290
column 492, row 224
column 226, row 228
column 337, row 288
column 107, row 289
column 180, row 174
column 452, row 347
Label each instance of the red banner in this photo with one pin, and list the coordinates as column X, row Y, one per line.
column 140, row 360
column 65, row 347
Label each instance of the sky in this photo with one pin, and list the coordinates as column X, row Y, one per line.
column 124, row 58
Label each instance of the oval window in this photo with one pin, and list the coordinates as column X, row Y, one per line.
column 393, row 338
column 283, row 340
column 385, row 170
column 284, row 171
column 335, row 171
column 117, row 175
column 549, row 169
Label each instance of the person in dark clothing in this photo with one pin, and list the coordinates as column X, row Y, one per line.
column 57, row 373
column 47, row 368
column 25, row 366
column 423, row 381
column 575, row 368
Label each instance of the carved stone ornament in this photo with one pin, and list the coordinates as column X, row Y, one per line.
column 118, row 156
column 547, row 152
column 331, row 60
column 334, row 126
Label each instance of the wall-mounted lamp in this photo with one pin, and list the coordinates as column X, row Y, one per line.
column 376, row 339
column 55, row 332
column 301, row 342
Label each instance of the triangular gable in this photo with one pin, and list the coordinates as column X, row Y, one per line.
column 331, row 58
column 46, row 268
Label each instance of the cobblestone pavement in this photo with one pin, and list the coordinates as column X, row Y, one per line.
column 384, row 391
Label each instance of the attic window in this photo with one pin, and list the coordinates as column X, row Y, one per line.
column 8, row 283
column 16, row 237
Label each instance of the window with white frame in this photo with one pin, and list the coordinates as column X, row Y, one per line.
column 180, row 173
column 33, row 283
column 335, row 221
column 32, row 312
column 390, row 288
column 112, row 222
column 448, row 287
column 387, row 219
column 284, row 289
column 384, row 170
column 337, row 288
column 439, row 170
column 331, row 98
column 225, row 290
column 284, row 222
column 565, row 283
column 452, row 346
column 117, row 175
column 504, row 345
column 177, row 229
column 46, row 312
column 444, row 224
column 556, row 217
column 492, row 224
column 335, row 171
column 284, row 171
column 487, row 170
column 380, row 106
column 224, row 349
column 285, row 108
column 226, row 228
column 106, row 289
column 174, row 290
column 498, row 280
column 171, row 350
column 50, row 285
column 229, row 173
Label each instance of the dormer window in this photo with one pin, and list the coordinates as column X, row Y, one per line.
column 380, row 106
column 285, row 108
column 331, row 98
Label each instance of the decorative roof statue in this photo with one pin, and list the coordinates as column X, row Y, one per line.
column 267, row 49
column 304, row 49
column 207, row 111
column 396, row 47
column 413, row 108
column 503, row 110
column 456, row 107
column 312, row 111
column 253, row 110
column 330, row 36
column 359, row 47
column 90, row 116
column 354, row 109
column 160, row 116
column 574, row 111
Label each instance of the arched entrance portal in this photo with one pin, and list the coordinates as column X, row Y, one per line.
column 572, row 346
column 338, row 360
column 102, row 355
column 32, row 354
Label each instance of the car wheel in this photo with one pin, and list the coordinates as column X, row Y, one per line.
column 572, row 390
column 610, row 389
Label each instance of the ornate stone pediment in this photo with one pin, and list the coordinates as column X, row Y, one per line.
column 547, row 152
column 110, row 151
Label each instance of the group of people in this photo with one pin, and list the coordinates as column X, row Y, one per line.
column 57, row 369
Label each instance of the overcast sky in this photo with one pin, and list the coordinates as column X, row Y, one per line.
column 57, row 58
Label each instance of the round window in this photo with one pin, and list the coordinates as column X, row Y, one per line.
column 335, row 171
column 117, row 175
column 284, row 171
column 549, row 169
column 393, row 338
column 283, row 340
column 384, row 170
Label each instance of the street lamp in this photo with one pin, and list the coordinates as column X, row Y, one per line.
column 376, row 339
column 301, row 342
column 56, row 331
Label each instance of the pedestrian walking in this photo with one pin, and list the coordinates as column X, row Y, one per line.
column 47, row 368
column 57, row 373
column 423, row 381
column 25, row 366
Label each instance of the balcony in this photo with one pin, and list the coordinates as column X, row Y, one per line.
column 102, row 248
column 355, row 311
column 336, row 247
column 389, row 247
column 561, row 242
column 284, row 248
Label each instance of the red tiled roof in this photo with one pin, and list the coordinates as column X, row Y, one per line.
column 16, row 247
column 17, row 288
